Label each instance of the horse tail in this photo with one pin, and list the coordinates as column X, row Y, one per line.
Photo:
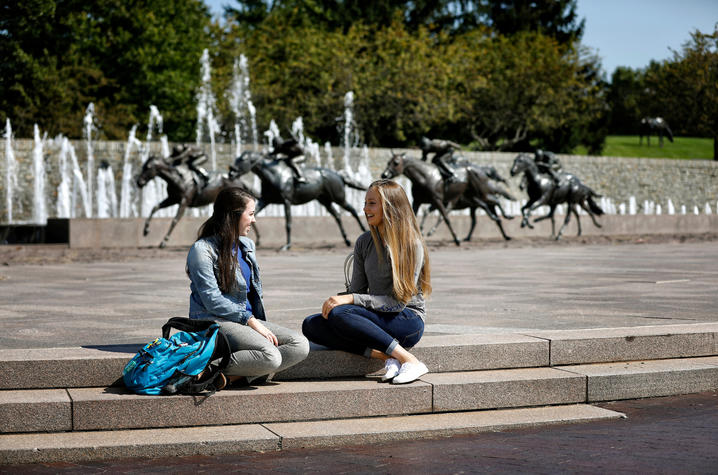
column 594, row 206
column 669, row 133
column 351, row 183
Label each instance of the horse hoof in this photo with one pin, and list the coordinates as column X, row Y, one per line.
column 507, row 238
column 285, row 247
column 347, row 242
column 457, row 242
column 145, row 232
column 163, row 245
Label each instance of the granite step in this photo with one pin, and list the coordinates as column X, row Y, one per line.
column 232, row 439
column 101, row 365
column 114, row 408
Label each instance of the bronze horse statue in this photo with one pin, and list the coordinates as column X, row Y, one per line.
column 543, row 190
column 280, row 187
column 654, row 125
column 184, row 188
column 470, row 190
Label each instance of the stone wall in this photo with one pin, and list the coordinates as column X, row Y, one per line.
column 691, row 183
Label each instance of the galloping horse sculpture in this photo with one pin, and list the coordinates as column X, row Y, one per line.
column 184, row 188
column 470, row 190
column 654, row 125
column 543, row 190
column 280, row 187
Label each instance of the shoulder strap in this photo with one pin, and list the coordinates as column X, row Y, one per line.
column 185, row 325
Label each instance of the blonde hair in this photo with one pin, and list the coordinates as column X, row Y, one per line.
column 400, row 232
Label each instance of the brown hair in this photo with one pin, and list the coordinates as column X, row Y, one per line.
column 224, row 224
column 400, row 231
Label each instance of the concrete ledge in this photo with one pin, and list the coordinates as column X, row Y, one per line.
column 505, row 388
column 102, row 366
column 35, row 411
column 232, row 439
column 631, row 343
column 389, row 429
column 64, row 367
column 127, row 232
column 115, row 408
column 639, row 379
column 152, row 443
column 441, row 354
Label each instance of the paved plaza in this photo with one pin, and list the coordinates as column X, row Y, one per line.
column 491, row 289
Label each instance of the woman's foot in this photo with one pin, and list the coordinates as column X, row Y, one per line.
column 392, row 367
column 410, row 372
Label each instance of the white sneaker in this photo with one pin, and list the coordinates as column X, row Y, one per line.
column 392, row 367
column 410, row 372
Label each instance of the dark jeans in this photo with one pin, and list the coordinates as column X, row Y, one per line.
column 358, row 330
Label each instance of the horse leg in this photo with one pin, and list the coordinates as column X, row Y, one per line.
column 287, row 225
column 175, row 220
column 578, row 220
column 353, row 212
column 440, row 206
column 565, row 222
column 493, row 216
column 449, row 207
column 588, row 210
column 163, row 204
column 328, row 205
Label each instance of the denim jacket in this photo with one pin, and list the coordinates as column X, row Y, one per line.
column 207, row 302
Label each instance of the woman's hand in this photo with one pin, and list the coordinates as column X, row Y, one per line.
column 257, row 326
column 334, row 301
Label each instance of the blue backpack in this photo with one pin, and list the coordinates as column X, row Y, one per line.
column 169, row 365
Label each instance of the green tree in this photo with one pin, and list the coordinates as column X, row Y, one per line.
column 525, row 91
column 685, row 88
column 555, row 18
column 122, row 55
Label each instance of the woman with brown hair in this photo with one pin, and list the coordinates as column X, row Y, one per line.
column 382, row 315
column 226, row 287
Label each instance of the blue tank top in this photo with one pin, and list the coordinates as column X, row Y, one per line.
column 246, row 273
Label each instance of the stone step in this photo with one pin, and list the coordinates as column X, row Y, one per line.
column 101, row 366
column 87, row 409
column 232, row 439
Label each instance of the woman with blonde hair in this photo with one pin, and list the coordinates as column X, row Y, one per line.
column 382, row 315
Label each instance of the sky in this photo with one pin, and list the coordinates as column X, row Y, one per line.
column 630, row 32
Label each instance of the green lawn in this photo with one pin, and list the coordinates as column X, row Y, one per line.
column 682, row 147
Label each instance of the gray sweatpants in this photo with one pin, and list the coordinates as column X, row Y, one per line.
column 254, row 355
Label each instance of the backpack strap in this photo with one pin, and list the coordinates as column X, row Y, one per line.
column 185, row 324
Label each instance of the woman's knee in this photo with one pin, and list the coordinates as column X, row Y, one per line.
column 310, row 325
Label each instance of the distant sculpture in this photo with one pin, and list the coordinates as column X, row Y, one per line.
column 186, row 186
column 191, row 156
column 280, row 187
column 544, row 190
column 442, row 150
column 287, row 150
column 471, row 189
column 654, row 125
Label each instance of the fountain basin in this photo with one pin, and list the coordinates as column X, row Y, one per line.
column 322, row 230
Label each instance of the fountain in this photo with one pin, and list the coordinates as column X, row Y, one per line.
column 206, row 107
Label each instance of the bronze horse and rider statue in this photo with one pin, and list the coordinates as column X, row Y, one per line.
column 280, row 184
column 547, row 184
column 188, row 185
column 466, row 185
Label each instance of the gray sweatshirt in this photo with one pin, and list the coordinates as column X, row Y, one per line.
column 372, row 283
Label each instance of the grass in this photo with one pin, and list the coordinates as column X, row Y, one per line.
column 681, row 148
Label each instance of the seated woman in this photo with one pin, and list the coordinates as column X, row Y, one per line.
column 226, row 288
column 383, row 314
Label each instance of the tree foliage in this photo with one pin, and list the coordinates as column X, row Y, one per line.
column 122, row 55
column 683, row 90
